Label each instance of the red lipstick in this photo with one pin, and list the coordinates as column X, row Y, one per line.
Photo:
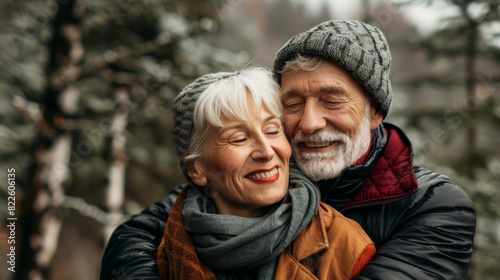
column 264, row 175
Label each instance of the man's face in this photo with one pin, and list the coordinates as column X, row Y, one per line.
column 327, row 118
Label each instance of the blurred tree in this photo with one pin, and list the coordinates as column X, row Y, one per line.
column 92, row 83
column 85, row 96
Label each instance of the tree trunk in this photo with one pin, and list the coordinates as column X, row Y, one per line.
column 366, row 11
column 41, row 223
column 115, row 192
column 470, row 87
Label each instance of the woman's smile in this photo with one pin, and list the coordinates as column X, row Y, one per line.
column 264, row 176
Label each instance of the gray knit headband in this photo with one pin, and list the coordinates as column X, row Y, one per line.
column 183, row 111
column 359, row 48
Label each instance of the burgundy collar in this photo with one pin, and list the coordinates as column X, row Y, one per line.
column 392, row 175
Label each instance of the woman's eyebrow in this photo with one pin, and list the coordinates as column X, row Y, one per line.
column 232, row 127
column 272, row 117
column 244, row 125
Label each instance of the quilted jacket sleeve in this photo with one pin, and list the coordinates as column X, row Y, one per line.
column 130, row 250
column 433, row 237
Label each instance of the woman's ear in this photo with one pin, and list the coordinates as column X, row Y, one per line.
column 196, row 172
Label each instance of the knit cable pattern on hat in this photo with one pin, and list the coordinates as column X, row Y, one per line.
column 359, row 48
column 183, row 111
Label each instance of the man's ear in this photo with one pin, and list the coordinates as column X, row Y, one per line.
column 196, row 172
column 376, row 116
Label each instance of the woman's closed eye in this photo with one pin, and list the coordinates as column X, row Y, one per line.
column 238, row 139
column 273, row 129
column 233, row 135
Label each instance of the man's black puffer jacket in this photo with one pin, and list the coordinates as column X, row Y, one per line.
column 130, row 253
column 423, row 232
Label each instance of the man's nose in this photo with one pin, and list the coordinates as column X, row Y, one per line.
column 311, row 119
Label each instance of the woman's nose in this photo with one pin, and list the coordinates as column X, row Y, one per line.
column 263, row 150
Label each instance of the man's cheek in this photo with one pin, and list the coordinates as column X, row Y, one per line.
column 290, row 126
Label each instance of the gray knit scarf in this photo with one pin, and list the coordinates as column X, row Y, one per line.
column 231, row 245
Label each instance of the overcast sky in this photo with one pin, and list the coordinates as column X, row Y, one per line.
column 424, row 18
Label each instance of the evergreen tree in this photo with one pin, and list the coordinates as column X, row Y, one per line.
column 87, row 87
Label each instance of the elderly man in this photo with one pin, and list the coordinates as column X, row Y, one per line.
column 336, row 93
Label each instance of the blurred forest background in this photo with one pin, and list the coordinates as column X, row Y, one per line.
column 86, row 88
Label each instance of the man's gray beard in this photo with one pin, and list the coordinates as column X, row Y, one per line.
column 321, row 166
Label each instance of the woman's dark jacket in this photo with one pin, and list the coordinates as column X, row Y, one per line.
column 421, row 222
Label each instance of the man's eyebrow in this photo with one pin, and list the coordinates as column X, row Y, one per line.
column 333, row 89
column 289, row 93
column 326, row 89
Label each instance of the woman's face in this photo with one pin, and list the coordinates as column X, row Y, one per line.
column 246, row 163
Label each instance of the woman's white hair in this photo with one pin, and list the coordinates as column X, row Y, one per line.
column 228, row 98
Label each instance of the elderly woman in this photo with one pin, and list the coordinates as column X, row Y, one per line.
column 247, row 213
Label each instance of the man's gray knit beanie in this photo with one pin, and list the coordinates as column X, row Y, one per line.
column 359, row 48
column 183, row 111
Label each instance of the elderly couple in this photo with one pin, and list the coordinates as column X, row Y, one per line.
column 349, row 205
